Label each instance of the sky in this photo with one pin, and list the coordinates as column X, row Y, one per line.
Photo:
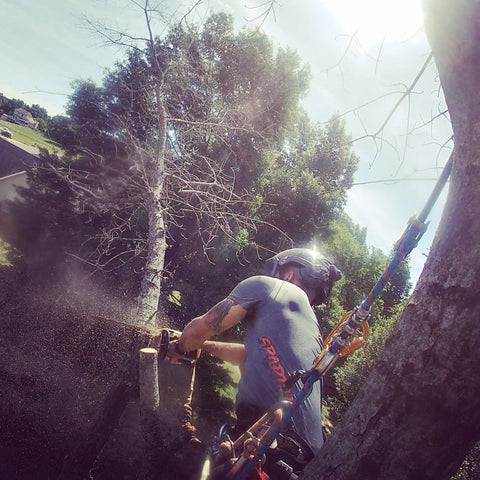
column 362, row 55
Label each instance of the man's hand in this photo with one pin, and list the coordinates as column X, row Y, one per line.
column 175, row 356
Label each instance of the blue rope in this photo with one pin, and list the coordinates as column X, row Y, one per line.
column 309, row 380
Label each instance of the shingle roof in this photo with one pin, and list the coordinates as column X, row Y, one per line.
column 24, row 112
column 13, row 158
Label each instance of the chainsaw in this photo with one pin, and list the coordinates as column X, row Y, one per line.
column 168, row 336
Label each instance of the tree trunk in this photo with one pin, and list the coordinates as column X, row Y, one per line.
column 149, row 405
column 148, row 301
column 418, row 413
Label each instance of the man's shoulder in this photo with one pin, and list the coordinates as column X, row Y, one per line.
column 253, row 289
column 264, row 279
column 263, row 282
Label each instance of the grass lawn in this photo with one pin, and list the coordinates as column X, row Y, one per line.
column 31, row 137
column 3, row 253
column 230, row 391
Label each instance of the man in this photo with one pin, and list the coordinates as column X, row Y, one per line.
column 281, row 336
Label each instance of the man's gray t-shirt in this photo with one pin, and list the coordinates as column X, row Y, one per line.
column 281, row 336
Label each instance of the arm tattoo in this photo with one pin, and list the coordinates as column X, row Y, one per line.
column 217, row 313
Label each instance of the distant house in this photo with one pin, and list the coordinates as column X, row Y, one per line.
column 21, row 117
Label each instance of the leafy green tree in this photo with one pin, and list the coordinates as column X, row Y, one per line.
column 361, row 265
column 60, row 129
column 38, row 112
column 220, row 117
column 93, row 128
column 305, row 186
column 8, row 105
column 60, row 220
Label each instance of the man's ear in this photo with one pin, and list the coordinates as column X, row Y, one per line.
column 288, row 274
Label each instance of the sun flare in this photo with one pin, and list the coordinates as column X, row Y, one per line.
column 374, row 20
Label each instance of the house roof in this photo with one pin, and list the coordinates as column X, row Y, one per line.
column 24, row 112
column 14, row 158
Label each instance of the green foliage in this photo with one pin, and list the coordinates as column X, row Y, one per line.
column 305, row 187
column 57, row 225
column 38, row 112
column 4, row 253
column 362, row 266
column 92, row 125
column 60, row 129
column 350, row 375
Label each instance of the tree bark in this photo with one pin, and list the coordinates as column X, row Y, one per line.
column 148, row 301
column 149, row 297
column 149, row 404
column 418, row 413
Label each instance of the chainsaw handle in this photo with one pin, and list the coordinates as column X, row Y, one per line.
column 169, row 336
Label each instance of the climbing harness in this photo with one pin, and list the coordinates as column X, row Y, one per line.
column 231, row 450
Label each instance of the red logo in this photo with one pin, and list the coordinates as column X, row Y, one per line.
column 279, row 375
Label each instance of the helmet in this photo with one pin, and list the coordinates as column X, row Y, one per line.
column 316, row 272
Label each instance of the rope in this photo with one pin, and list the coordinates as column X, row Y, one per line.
column 189, row 430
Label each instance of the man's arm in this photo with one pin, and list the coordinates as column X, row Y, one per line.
column 227, row 351
column 222, row 316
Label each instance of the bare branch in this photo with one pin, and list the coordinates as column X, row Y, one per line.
column 269, row 8
column 112, row 36
column 405, row 94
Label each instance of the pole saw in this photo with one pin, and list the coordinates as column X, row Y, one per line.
column 346, row 337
